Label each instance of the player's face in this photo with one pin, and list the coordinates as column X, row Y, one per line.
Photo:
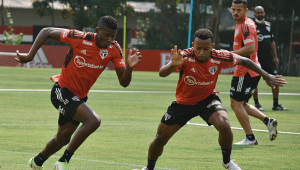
column 238, row 11
column 259, row 14
column 202, row 49
column 105, row 36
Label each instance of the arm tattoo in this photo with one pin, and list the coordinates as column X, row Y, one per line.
column 251, row 65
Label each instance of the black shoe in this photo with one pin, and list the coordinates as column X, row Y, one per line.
column 258, row 106
column 279, row 107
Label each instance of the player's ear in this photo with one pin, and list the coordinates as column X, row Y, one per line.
column 246, row 9
column 192, row 44
column 97, row 29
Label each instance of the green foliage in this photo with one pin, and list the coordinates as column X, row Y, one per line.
column 85, row 13
column 9, row 36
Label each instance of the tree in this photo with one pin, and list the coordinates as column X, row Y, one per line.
column 85, row 13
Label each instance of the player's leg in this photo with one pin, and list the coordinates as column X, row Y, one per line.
column 241, row 87
column 164, row 133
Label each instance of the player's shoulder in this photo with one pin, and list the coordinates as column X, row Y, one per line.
column 115, row 46
column 76, row 34
column 188, row 52
column 250, row 23
column 267, row 23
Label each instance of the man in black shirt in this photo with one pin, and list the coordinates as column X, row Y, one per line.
column 266, row 53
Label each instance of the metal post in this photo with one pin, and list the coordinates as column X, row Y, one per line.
column 190, row 24
column 52, row 12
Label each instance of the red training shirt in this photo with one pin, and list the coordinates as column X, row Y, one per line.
column 245, row 34
column 85, row 61
column 198, row 80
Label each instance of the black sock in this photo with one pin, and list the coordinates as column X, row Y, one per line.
column 39, row 160
column 66, row 156
column 250, row 137
column 226, row 155
column 151, row 164
column 266, row 120
column 275, row 101
column 256, row 101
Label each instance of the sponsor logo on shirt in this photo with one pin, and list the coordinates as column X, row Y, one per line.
column 235, row 43
column 193, row 70
column 103, row 53
column 258, row 31
column 190, row 80
column 87, row 43
column 261, row 37
column 80, row 62
column 191, row 60
column 248, row 41
column 83, row 51
column 213, row 70
column 167, row 116
column 214, row 61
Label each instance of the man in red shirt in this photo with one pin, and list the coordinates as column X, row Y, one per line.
column 199, row 68
column 245, row 81
column 85, row 61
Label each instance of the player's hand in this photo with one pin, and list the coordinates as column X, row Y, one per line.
column 22, row 57
column 133, row 60
column 177, row 57
column 276, row 61
column 274, row 81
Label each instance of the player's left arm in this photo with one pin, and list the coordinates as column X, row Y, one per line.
column 125, row 73
column 246, row 50
column 273, row 52
column 271, row 80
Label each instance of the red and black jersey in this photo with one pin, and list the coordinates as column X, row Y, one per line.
column 198, row 80
column 85, row 61
column 245, row 34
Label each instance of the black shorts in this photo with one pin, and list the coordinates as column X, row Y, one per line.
column 180, row 114
column 66, row 103
column 242, row 88
column 269, row 66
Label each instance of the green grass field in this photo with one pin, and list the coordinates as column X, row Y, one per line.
column 129, row 122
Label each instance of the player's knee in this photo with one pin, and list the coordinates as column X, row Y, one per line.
column 94, row 123
column 161, row 139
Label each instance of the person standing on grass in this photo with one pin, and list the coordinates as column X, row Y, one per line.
column 244, row 81
column 266, row 53
column 199, row 68
column 85, row 61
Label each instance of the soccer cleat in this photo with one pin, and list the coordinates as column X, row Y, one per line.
column 272, row 127
column 32, row 165
column 279, row 107
column 231, row 165
column 145, row 168
column 258, row 106
column 246, row 141
column 61, row 165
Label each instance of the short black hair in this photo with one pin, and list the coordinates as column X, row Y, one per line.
column 203, row 34
column 108, row 21
column 244, row 2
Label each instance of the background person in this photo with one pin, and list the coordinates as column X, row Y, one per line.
column 266, row 54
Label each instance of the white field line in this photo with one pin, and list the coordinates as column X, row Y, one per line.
column 257, row 130
column 121, row 91
column 90, row 160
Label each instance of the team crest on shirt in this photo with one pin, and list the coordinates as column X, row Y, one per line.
column 268, row 28
column 103, row 53
column 236, row 32
column 213, row 70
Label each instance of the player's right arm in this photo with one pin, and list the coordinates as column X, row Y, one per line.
column 176, row 60
column 45, row 33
